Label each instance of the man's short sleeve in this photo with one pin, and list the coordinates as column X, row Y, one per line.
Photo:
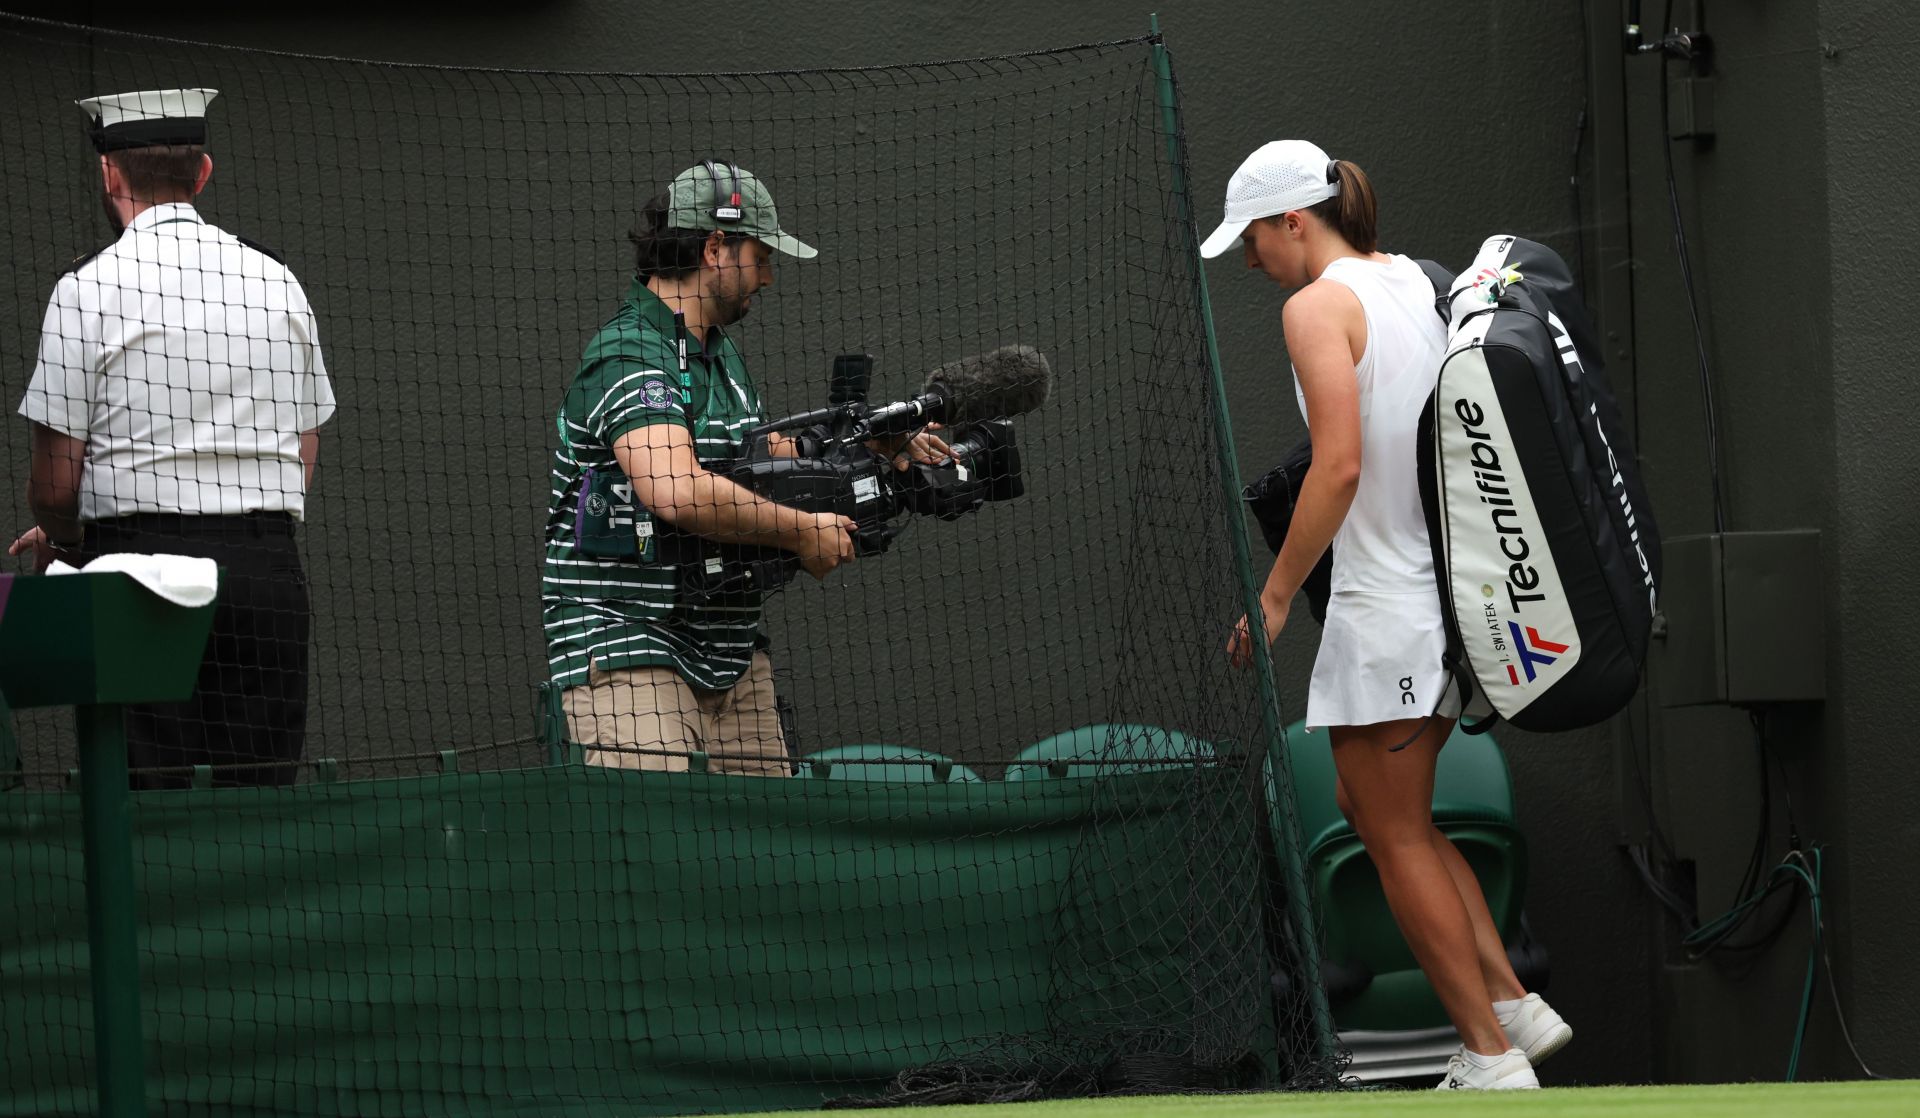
column 60, row 395
column 316, row 389
column 623, row 394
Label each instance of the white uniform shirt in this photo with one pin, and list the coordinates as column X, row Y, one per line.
column 1382, row 545
column 189, row 365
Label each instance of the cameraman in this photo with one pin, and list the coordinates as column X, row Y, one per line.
column 649, row 676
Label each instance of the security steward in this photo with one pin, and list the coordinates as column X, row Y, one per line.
column 661, row 401
column 176, row 408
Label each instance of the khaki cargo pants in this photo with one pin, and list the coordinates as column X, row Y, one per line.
column 654, row 709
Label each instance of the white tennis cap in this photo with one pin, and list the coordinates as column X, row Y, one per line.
column 1283, row 175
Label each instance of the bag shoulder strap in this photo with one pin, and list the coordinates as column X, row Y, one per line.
column 1442, row 281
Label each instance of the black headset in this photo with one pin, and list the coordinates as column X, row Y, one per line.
column 728, row 211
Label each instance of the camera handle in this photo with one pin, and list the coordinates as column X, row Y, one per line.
column 876, row 540
column 828, row 419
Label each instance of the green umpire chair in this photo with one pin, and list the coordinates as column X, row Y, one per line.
column 1106, row 749
column 1386, row 1011
column 897, row 764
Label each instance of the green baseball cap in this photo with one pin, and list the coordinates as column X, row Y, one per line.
column 717, row 195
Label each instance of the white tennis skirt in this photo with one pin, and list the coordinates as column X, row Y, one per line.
column 1380, row 661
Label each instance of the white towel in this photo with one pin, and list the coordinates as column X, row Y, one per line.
column 180, row 579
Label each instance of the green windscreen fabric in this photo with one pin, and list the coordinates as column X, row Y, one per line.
column 581, row 941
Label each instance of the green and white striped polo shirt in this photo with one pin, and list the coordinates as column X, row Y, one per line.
column 611, row 613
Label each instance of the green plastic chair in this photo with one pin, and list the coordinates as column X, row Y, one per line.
column 1472, row 806
column 882, row 763
column 1112, row 747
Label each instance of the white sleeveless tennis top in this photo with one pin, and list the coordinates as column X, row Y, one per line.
column 1382, row 546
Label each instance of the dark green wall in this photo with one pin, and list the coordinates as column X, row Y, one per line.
column 1872, row 100
column 1744, row 221
column 1800, row 218
column 1801, row 228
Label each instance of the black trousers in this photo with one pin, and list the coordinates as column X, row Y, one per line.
column 249, row 708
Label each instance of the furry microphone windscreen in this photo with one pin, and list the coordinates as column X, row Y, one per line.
column 1011, row 380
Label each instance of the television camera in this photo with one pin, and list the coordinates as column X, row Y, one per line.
column 838, row 465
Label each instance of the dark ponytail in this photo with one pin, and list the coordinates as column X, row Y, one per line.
column 660, row 250
column 1351, row 213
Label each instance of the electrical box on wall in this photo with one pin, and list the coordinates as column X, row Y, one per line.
column 1690, row 109
column 1745, row 620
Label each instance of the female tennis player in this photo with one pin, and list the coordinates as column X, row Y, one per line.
column 1366, row 348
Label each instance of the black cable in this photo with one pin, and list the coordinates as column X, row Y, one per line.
column 1573, row 185
column 1809, row 863
column 1786, row 786
column 1756, row 875
column 1757, row 887
column 1767, row 935
column 1631, row 41
column 1671, row 900
column 1687, row 281
column 1839, row 1015
column 1579, row 142
column 1643, row 779
column 1715, row 937
column 1757, row 857
column 1642, row 761
column 1719, row 938
column 167, row 41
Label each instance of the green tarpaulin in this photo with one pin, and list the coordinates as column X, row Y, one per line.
column 581, row 941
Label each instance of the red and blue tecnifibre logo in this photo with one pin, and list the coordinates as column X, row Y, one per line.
column 1533, row 649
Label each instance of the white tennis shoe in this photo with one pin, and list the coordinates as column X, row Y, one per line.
column 1534, row 1028
column 1511, row 1071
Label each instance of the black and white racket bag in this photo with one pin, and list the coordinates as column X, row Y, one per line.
column 1543, row 541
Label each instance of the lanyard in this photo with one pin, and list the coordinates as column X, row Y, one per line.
column 680, row 343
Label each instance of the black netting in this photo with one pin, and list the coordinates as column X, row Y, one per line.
column 444, row 911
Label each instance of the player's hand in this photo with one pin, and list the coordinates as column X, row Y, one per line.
column 1240, row 644
column 923, row 446
column 827, row 544
column 35, row 540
